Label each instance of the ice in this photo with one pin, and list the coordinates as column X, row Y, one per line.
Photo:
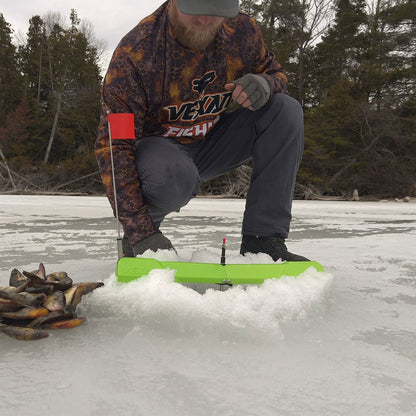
column 341, row 342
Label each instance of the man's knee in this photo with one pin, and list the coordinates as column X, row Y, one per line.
column 168, row 176
column 288, row 108
column 171, row 188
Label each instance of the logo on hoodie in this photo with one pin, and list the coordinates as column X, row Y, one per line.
column 206, row 105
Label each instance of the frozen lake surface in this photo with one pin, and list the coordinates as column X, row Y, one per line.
column 341, row 342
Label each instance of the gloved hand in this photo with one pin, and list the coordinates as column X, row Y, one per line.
column 251, row 91
column 154, row 242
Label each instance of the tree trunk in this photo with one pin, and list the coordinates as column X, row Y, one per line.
column 54, row 127
column 39, row 75
column 4, row 163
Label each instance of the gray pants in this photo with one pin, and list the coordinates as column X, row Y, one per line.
column 272, row 137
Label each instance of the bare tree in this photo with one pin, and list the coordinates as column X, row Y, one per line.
column 313, row 23
column 291, row 29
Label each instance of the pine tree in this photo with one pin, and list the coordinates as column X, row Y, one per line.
column 76, row 88
column 290, row 29
column 33, row 63
column 367, row 62
column 62, row 80
column 10, row 85
column 339, row 52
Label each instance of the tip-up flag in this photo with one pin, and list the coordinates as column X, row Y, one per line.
column 121, row 126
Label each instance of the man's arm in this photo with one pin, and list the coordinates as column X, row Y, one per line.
column 122, row 93
column 267, row 66
column 266, row 78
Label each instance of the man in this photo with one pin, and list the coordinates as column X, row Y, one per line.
column 178, row 71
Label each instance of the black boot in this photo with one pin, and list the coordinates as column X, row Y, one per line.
column 274, row 246
column 127, row 250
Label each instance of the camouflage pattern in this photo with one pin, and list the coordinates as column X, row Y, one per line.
column 172, row 92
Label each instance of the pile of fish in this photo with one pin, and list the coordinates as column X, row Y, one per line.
column 35, row 301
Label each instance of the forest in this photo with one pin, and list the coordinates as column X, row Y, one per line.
column 350, row 63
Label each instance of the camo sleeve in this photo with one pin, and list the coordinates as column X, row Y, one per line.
column 267, row 66
column 121, row 78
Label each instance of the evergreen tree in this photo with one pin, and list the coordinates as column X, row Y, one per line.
column 33, row 63
column 388, row 67
column 82, row 96
column 290, row 29
column 339, row 52
column 368, row 67
column 10, row 85
column 62, row 80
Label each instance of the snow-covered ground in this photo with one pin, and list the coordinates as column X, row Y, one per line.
column 341, row 342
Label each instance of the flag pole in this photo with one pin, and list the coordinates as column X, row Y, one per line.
column 119, row 239
column 223, row 252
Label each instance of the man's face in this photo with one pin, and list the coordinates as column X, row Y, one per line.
column 193, row 32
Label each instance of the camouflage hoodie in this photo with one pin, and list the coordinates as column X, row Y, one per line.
column 172, row 92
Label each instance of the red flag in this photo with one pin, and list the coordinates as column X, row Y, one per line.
column 121, row 126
